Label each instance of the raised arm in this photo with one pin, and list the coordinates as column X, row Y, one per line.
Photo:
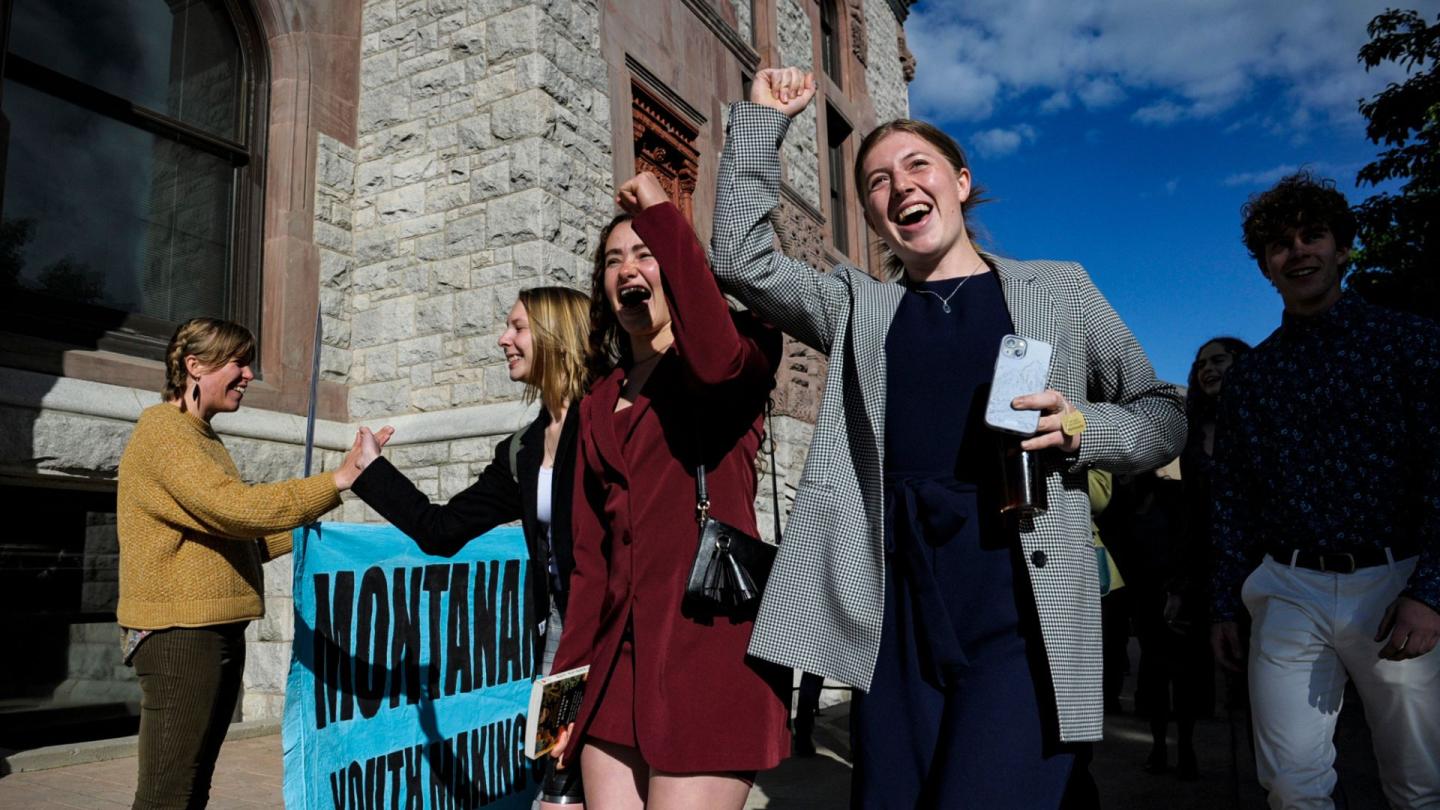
column 792, row 295
column 714, row 351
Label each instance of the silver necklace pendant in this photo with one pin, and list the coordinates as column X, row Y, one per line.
column 945, row 299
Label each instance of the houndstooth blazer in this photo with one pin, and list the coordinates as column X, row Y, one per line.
column 822, row 608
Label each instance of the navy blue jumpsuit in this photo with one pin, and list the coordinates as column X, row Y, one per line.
column 958, row 715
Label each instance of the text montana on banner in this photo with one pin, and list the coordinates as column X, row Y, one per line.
column 410, row 674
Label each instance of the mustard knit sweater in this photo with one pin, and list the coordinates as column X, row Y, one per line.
column 192, row 534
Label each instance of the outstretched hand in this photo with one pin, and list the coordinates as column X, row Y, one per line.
column 364, row 450
column 788, row 90
column 640, row 192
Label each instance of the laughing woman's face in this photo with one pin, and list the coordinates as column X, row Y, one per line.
column 913, row 199
column 632, row 283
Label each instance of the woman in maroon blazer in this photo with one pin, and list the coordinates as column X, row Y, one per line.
column 674, row 712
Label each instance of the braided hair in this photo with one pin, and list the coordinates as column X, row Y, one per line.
column 213, row 342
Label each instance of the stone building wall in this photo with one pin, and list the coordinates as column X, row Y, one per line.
column 744, row 20
column 482, row 166
column 795, row 36
column 884, row 70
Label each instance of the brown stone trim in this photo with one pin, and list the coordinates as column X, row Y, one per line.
column 792, row 197
column 662, row 92
column 315, row 61
column 859, row 36
column 665, row 147
column 748, row 56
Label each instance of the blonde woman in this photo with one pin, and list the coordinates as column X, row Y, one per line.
column 531, row 478
column 193, row 536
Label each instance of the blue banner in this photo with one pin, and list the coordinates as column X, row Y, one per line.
column 410, row 674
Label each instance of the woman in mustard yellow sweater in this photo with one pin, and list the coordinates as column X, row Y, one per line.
column 193, row 536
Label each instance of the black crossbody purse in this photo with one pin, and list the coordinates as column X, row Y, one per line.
column 731, row 567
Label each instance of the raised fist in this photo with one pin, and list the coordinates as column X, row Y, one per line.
column 640, row 192
column 788, row 89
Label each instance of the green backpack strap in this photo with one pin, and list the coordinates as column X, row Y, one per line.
column 515, row 453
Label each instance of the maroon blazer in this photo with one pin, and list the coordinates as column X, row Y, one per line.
column 700, row 704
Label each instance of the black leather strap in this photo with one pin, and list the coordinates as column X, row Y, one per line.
column 1336, row 562
column 702, row 492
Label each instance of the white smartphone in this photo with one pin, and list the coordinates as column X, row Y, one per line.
column 1021, row 368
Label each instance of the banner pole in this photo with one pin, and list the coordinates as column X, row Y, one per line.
column 314, row 395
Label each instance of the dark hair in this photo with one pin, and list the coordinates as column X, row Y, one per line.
column 214, row 342
column 1200, row 406
column 608, row 346
column 1298, row 199
column 937, row 138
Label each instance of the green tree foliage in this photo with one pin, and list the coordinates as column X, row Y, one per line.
column 1398, row 262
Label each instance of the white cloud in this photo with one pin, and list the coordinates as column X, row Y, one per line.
column 1101, row 93
column 999, row 142
column 1059, row 100
column 1162, row 113
column 1183, row 59
column 1266, row 177
column 1171, row 185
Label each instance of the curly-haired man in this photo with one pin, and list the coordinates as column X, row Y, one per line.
column 1327, row 508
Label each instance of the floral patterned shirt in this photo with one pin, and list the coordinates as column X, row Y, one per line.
column 1328, row 439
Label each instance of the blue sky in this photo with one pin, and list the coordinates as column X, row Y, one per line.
column 1126, row 134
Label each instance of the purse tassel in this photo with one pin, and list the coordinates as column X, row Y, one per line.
column 726, row 580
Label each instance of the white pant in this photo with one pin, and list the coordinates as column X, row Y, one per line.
column 1312, row 632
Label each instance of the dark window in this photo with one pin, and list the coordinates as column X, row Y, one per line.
column 59, row 585
column 837, row 132
column 131, row 170
column 830, row 40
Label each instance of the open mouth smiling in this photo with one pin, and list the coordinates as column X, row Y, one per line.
column 913, row 214
column 633, row 296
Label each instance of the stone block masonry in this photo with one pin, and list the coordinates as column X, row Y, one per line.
column 483, row 165
column 884, row 68
column 801, row 150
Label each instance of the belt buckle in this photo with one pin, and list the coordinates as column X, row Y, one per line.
column 1349, row 560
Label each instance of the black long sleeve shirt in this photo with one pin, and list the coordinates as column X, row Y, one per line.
column 1328, row 439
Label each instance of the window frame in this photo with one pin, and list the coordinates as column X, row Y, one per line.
column 837, row 135
column 832, row 61
column 93, row 326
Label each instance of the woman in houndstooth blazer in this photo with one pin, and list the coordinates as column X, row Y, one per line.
column 974, row 644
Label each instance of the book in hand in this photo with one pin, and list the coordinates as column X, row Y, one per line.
column 554, row 702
